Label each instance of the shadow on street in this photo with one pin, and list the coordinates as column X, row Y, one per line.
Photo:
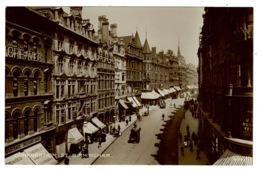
column 168, row 146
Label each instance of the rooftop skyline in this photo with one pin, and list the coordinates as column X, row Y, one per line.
column 164, row 27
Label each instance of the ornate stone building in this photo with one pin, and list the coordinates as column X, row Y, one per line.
column 106, row 72
column 226, row 80
column 74, row 77
column 28, row 81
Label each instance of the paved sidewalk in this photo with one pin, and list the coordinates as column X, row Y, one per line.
column 94, row 151
column 189, row 157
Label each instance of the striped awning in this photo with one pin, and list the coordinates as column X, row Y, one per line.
column 165, row 91
column 136, row 101
column 172, row 90
column 123, row 104
column 231, row 158
column 160, row 92
column 131, row 100
column 177, row 88
column 150, row 95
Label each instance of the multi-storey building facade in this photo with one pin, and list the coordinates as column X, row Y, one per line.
column 28, row 90
column 191, row 75
column 182, row 69
column 147, row 67
column 134, row 68
column 74, row 79
column 226, row 80
column 106, row 73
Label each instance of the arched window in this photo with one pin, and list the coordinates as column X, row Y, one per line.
column 26, row 122
column 26, row 83
column 15, row 124
column 15, row 83
column 35, row 83
column 35, row 118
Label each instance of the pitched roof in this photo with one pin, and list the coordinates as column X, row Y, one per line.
column 137, row 40
column 146, row 48
column 126, row 40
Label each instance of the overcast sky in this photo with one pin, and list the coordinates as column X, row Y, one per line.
column 164, row 26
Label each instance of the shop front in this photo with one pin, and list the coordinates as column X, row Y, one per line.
column 122, row 107
column 74, row 141
column 90, row 132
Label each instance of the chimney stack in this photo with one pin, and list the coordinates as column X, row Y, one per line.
column 105, row 32
column 153, row 52
column 76, row 10
column 113, row 28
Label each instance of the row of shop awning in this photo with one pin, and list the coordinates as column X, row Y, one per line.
column 35, row 155
column 154, row 95
column 38, row 155
column 89, row 128
column 150, row 95
column 133, row 100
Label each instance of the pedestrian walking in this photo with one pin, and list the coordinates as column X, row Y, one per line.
column 119, row 128
column 162, row 116
column 99, row 141
column 187, row 128
column 191, row 146
column 66, row 160
column 180, row 136
column 198, row 153
column 182, row 150
column 126, row 122
column 84, row 151
column 188, row 134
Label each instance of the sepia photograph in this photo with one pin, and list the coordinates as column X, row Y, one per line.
column 128, row 85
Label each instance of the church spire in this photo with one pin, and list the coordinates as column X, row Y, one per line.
column 146, row 48
column 179, row 51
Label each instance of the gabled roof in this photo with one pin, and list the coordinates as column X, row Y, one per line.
column 146, row 48
column 137, row 40
column 126, row 40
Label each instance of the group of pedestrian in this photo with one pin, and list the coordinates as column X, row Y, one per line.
column 189, row 141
